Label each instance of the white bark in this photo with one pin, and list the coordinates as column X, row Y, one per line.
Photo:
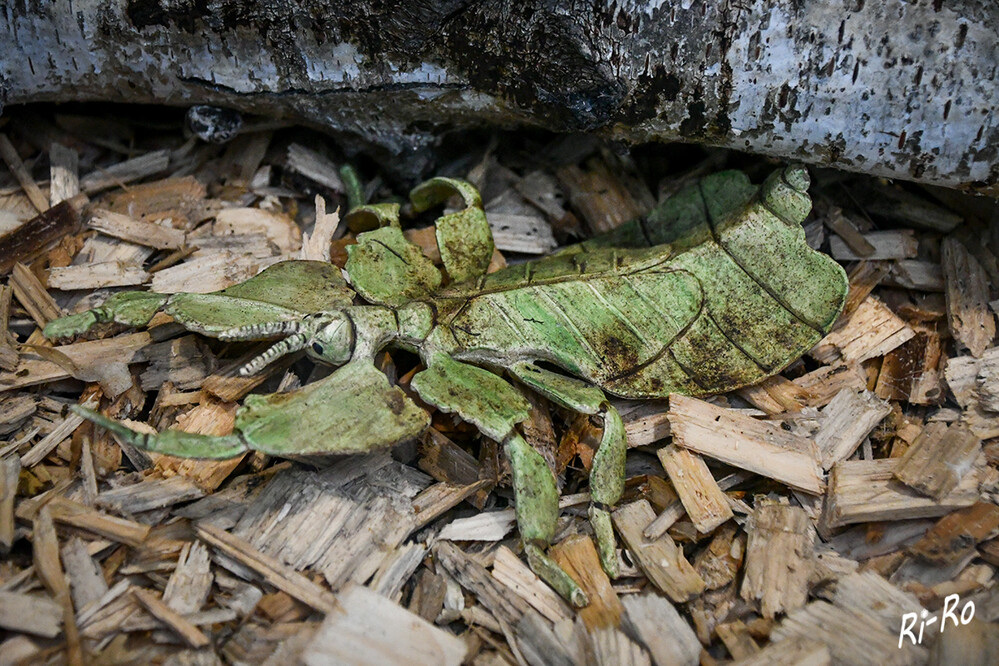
column 904, row 89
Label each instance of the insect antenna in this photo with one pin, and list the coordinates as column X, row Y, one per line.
column 289, row 345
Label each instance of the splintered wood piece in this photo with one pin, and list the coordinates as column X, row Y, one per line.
column 661, row 560
column 502, row 602
column 485, row 526
column 79, row 516
column 189, row 633
column 847, row 420
column 706, row 504
column 866, row 490
column 847, row 233
column 211, row 272
column 746, row 443
column 872, row 330
column 33, row 296
column 439, row 498
column 277, row 228
column 9, row 155
column 524, row 234
column 509, row 570
column 87, row 584
column 369, row 629
column 317, row 246
column 61, row 431
column 578, row 557
column 644, row 422
column 272, row 571
column 10, row 470
column 97, row 276
column 824, row 383
column 955, row 535
column 961, row 375
column 64, row 173
column 967, row 292
column 917, row 275
column 796, row 651
column 446, row 461
column 33, row 237
column 891, row 244
column 315, row 167
column 599, row 196
column 48, row 567
column 184, row 362
column 8, row 352
column 661, row 629
column 976, row 642
column 738, row 642
column 776, row 395
column 121, row 173
column 779, row 557
column 150, row 494
column 128, row 229
column 396, row 569
column 719, row 563
column 938, row 459
column 30, row 614
column 987, row 380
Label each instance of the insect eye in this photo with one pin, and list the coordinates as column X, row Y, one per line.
column 318, row 348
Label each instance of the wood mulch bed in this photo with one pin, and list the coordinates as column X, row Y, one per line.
column 797, row 521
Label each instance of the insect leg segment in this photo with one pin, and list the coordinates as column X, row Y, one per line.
column 171, row 442
column 329, row 337
column 131, row 308
column 607, row 474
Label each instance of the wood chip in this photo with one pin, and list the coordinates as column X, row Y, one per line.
column 577, row 555
column 121, row 173
column 866, row 490
column 704, row 501
column 661, row 629
column 32, row 238
column 367, row 628
column 509, row 570
column 506, row 606
column 189, row 633
column 64, row 173
column 955, row 535
column 746, row 443
column 661, row 560
column 967, row 292
column 268, row 568
column 872, row 330
column 30, row 614
column 938, row 459
column 10, row 470
column 128, row 229
column 31, row 294
column 9, row 155
column 795, row 651
column 892, row 244
column 847, row 420
column 778, row 557
column 48, row 567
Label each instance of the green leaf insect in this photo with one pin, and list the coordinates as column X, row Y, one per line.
column 714, row 290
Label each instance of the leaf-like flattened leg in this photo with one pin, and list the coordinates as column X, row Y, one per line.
column 131, row 308
column 171, row 442
column 537, row 514
column 354, row 410
column 373, row 216
column 387, row 269
column 463, row 238
column 476, row 395
column 607, row 486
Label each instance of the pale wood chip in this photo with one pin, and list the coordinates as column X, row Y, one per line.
column 118, row 174
column 87, row 584
column 9, row 155
column 48, row 567
column 367, row 628
column 509, row 570
column 794, row 651
column 268, row 568
column 779, row 557
column 31, row 294
column 499, row 600
column 847, row 420
column 126, row 228
column 30, row 614
column 314, row 166
column 757, row 446
column 150, row 494
column 866, row 490
column 872, row 330
column 661, row 560
column 938, row 459
column 10, row 470
column 189, row 633
column 967, row 292
column 661, row 629
column 987, row 380
column 317, row 246
column 955, row 535
column 64, row 173
column 704, row 501
column 97, row 276
column 891, row 244
column 916, row 275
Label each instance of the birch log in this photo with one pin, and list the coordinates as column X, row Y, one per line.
column 905, row 90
